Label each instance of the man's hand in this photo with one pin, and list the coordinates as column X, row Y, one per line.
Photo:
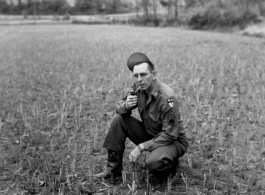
column 131, row 101
column 135, row 153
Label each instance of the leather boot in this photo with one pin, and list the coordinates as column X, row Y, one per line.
column 174, row 168
column 114, row 166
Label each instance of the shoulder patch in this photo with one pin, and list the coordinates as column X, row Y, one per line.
column 170, row 102
column 171, row 118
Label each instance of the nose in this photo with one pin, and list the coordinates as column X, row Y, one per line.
column 139, row 78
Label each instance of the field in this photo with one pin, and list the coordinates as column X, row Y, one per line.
column 59, row 85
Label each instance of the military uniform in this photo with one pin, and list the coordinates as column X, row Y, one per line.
column 161, row 130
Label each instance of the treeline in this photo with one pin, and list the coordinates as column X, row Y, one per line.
column 47, row 7
column 202, row 14
column 198, row 14
column 212, row 14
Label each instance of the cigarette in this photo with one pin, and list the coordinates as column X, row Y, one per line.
column 137, row 89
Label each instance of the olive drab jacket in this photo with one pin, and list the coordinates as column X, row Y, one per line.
column 159, row 114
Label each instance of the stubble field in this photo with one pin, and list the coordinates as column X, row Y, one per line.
column 59, row 86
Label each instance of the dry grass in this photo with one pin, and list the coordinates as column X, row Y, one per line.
column 59, row 85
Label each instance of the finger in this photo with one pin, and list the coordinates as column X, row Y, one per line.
column 132, row 96
column 132, row 100
column 133, row 104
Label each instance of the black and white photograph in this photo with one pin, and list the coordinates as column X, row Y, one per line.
column 132, row 97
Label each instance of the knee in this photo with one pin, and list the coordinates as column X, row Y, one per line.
column 157, row 164
column 116, row 123
column 116, row 119
column 152, row 164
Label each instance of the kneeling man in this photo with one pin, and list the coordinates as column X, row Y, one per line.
column 160, row 130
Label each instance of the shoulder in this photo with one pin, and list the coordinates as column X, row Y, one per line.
column 167, row 92
column 168, row 97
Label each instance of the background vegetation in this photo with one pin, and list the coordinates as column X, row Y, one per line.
column 44, row 7
column 59, row 86
column 198, row 14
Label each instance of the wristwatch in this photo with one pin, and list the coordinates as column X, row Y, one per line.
column 141, row 147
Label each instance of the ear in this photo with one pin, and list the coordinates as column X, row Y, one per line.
column 154, row 73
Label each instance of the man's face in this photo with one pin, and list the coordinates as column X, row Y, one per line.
column 143, row 75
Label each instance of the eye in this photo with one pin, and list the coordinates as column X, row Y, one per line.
column 143, row 74
column 135, row 76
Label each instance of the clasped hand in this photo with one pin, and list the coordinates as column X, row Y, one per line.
column 131, row 101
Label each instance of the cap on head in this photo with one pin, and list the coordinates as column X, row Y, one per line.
column 137, row 58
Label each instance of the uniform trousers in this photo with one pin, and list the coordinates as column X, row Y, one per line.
column 161, row 160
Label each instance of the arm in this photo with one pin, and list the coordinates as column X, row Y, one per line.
column 171, row 126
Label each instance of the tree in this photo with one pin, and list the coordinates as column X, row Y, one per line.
column 145, row 6
column 85, row 6
column 155, row 9
column 115, row 6
column 54, row 6
column 20, row 6
column 137, row 8
column 4, row 8
column 262, row 8
column 176, row 9
column 167, row 4
column 169, row 8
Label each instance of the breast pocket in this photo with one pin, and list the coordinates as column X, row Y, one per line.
column 155, row 122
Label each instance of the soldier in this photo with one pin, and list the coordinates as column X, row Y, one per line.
column 160, row 130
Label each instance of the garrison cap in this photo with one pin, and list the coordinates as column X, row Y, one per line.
column 137, row 58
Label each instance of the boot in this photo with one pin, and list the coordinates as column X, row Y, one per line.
column 114, row 166
column 174, row 168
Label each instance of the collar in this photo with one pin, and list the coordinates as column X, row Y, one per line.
column 156, row 88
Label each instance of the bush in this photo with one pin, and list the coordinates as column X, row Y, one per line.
column 215, row 15
column 146, row 21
